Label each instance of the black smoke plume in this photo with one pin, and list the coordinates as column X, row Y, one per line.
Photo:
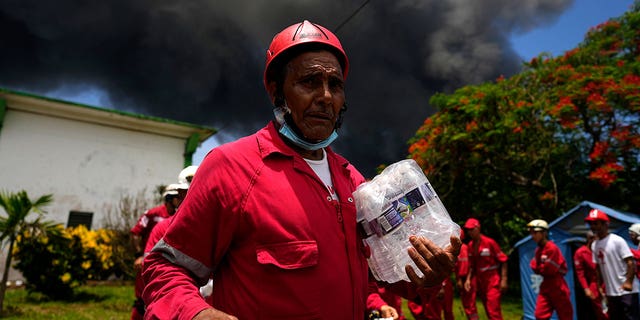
column 202, row 61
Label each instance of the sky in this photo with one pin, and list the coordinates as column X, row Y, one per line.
column 201, row 61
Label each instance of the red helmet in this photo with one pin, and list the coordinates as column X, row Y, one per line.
column 595, row 215
column 304, row 33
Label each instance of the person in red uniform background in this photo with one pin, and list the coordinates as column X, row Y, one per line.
column 439, row 304
column 488, row 264
column 585, row 270
column 467, row 297
column 634, row 234
column 140, row 235
column 551, row 265
column 272, row 217
column 383, row 303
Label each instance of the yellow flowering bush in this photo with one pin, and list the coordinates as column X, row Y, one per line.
column 55, row 264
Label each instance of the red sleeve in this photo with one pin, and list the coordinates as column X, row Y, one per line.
column 170, row 293
column 198, row 237
column 374, row 300
column 500, row 256
column 636, row 255
column 578, row 262
column 462, row 265
column 551, row 261
column 534, row 262
column 138, row 228
column 156, row 234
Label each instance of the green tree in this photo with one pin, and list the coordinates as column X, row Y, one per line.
column 17, row 207
column 565, row 129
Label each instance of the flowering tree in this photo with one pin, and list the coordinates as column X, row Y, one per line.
column 564, row 130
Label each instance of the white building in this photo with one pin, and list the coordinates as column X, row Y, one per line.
column 88, row 158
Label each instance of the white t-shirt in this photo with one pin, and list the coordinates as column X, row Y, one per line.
column 609, row 253
column 321, row 168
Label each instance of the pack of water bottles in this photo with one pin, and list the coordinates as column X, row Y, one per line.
column 398, row 203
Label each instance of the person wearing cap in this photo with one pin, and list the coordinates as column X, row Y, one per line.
column 488, row 265
column 467, row 297
column 548, row 262
column 140, row 235
column 272, row 215
column 615, row 267
column 585, row 270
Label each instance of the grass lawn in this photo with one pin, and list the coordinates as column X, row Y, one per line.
column 113, row 301
column 511, row 309
column 98, row 301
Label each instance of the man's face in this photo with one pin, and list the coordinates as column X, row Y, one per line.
column 634, row 237
column 598, row 227
column 537, row 236
column 473, row 233
column 314, row 91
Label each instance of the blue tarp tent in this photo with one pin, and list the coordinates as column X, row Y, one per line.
column 568, row 233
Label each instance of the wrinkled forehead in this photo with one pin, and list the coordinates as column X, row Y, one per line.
column 315, row 61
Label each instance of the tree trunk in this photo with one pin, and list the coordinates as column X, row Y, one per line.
column 5, row 275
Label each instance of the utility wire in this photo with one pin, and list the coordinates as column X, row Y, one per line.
column 350, row 17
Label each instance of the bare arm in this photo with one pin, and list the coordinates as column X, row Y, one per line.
column 503, row 277
column 631, row 272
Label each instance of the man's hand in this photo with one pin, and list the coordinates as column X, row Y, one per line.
column 387, row 311
column 589, row 294
column 213, row 314
column 137, row 264
column 503, row 285
column 434, row 262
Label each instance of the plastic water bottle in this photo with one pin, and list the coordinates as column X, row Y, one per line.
column 398, row 203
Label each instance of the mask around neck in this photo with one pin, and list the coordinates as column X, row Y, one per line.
column 294, row 138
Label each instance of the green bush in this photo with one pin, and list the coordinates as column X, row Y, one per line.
column 56, row 264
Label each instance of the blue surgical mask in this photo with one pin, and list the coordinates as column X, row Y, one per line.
column 288, row 133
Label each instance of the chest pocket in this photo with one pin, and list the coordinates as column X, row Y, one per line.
column 289, row 255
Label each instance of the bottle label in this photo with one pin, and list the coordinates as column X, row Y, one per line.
column 399, row 208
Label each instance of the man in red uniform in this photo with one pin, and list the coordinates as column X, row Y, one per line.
column 272, row 217
column 551, row 265
column 467, row 297
column 488, row 266
column 586, row 273
column 140, row 235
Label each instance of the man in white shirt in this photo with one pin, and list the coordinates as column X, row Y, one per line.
column 615, row 266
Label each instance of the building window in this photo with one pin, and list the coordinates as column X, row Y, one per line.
column 77, row 218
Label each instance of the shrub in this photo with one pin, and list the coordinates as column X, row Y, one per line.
column 55, row 265
column 120, row 220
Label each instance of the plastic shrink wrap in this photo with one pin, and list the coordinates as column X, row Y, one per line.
column 397, row 203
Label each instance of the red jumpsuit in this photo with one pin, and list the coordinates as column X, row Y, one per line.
column 143, row 228
column 636, row 256
column 586, row 273
column 485, row 262
column 554, row 292
column 264, row 224
column 439, row 302
column 468, row 298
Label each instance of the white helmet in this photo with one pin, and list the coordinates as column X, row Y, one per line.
column 538, row 225
column 171, row 189
column 187, row 174
column 635, row 228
